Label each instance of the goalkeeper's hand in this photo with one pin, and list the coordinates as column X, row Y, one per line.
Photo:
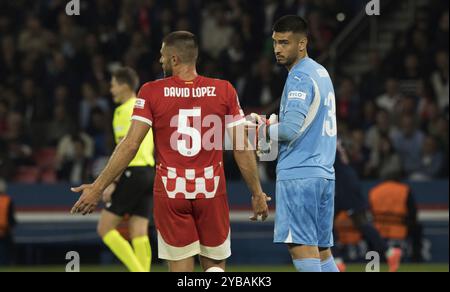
column 263, row 141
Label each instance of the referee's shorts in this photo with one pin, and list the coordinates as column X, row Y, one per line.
column 134, row 193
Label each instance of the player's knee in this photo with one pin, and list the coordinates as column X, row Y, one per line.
column 103, row 229
column 138, row 229
column 303, row 251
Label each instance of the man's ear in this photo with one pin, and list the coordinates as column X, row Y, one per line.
column 302, row 45
column 174, row 59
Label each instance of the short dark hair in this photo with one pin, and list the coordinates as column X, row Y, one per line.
column 127, row 76
column 185, row 43
column 291, row 23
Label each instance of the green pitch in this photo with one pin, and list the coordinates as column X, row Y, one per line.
column 162, row 268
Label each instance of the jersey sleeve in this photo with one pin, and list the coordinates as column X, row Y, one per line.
column 300, row 94
column 235, row 114
column 142, row 109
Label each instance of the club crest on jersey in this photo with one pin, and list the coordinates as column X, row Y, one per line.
column 140, row 103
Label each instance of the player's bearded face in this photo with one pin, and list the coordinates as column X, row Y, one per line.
column 286, row 48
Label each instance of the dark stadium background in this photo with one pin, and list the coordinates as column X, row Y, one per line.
column 56, row 109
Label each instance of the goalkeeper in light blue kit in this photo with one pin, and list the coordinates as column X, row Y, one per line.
column 307, row 141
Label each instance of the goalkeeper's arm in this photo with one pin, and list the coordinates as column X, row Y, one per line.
column 289, row 129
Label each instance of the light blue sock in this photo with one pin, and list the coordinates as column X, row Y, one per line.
column 308, row 265
column 329, row 266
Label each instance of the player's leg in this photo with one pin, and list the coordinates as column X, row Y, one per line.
column 117, row 244
column 370, row 234
column 305, row 258
column 296, row 222
column 327, row 261
column 107, row 223
column 178, row 240
column 325, row 232
column 182, row 266
column 211, row 265
column 126, row 197
column 141, row 214
column 138, row 227
column 392, row 255
column 212, row 218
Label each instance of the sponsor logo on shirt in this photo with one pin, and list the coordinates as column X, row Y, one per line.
column 297, row 95
column 140, row 103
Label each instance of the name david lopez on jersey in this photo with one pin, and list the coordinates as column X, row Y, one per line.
column 195, row 92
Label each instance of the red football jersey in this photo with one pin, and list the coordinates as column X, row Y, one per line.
column 188, row 119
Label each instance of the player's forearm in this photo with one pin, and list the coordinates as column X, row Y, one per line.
column 119, row 161
column 246, row 161
column 289, row 129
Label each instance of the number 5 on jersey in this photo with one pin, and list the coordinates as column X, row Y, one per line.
column 183, row 128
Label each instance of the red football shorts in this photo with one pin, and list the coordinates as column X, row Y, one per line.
column 192, row 227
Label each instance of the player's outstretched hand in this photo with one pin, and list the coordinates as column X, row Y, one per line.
column 88, row 201
column 260, row 208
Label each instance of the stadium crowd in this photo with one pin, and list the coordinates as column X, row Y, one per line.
column 56, row 110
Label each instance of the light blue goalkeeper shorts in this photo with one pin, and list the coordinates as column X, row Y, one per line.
column 305, row 212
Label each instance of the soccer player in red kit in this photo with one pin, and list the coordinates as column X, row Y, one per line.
column 188, row 114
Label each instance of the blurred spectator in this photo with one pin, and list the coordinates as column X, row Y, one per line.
column 411, row 74
column 442, row 33
column 6, row 165
column 381, row 128
column 408, row 141
column 216, row 31
column 369, row 115
column 358, row 153
column 90, row 101
column 263, row 87
column 60, row 125
column 75, row 169
column 391, row 97
column 431, row 161
column 440, row 80
column 347, row 100
column 101, row 132
column 4, row 111
column 384, row 162
column 395, row 214
column 430, row 117
column 372, row 81
column 34, row 38
column 18, row 146
column 66, row 147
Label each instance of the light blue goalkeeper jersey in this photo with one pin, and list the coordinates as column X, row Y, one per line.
column 311, row 152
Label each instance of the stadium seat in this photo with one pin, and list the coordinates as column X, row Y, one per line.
column 27, row 175
column 49, row 176
column 45, row 158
